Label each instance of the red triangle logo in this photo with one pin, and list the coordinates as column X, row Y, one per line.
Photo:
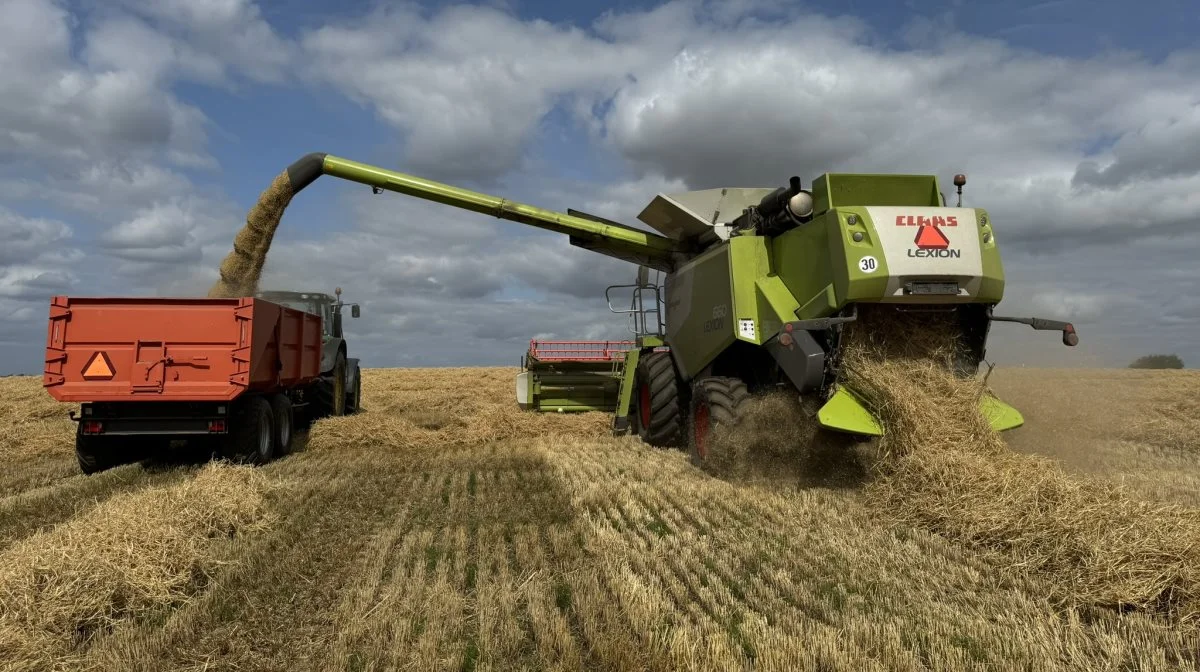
column 931, row 238
column 98, row 367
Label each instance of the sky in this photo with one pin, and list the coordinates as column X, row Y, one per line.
column 136, row 134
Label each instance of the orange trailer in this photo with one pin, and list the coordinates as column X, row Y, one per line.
column 150, row 370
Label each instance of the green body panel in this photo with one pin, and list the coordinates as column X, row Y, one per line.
column 776, row 305
column 625, row 396
column 761, row 301
column 650, row 341
column 700, row 319
column 819, row 263
column 991, row 288
column 728, row 294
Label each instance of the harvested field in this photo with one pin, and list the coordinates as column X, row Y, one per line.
column 436, row 531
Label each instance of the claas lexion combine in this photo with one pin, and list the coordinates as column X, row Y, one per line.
column 758, row 285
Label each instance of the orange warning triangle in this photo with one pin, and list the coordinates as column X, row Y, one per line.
column 931, row 238
column 98, row 366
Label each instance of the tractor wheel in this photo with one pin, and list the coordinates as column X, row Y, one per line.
column 252, row 440
column 331, row 394
column 281, row 411
column 715, row 401
column 94, row 453
column 659, row 408
column 354, row 403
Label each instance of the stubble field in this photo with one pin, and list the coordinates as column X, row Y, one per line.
column 442, row 529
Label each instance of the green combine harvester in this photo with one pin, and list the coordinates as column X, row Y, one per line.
column 759, row 282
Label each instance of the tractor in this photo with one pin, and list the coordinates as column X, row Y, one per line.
column 339, row 389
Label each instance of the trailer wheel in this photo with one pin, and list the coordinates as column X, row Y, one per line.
column 354, row 403
column 94, row 453
column 339, row 386
column 281, row 411
column 715, row 401
column 253, row 437
column 658, row 407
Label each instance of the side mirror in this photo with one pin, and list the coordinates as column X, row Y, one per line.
column 354, row 312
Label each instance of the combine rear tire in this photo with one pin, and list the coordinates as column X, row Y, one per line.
column 94, row 453
column 659, row 410
column 281, row 410
column 715, row 401
column 252, row 440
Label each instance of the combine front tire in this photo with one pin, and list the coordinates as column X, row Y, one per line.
column 252, row 440
column 715, row 401
column 659, row 410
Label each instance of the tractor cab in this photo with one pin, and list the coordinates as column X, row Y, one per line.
column 328, row 308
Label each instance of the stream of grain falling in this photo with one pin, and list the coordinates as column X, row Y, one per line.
column 242, row 267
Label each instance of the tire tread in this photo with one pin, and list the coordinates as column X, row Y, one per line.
column 666, row 425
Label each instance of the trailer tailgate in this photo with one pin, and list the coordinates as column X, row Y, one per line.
column 198, row 349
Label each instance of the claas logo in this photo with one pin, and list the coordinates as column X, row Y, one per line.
column 923, row 221
column 930, row 240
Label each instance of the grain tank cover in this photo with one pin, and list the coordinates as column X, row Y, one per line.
column 688, row 214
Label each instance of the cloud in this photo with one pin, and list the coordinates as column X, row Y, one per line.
column 441, row 286
column 691, row 95
column 1149, row 152
column 1094, row 195
column 55, row 108
column 464, row 84
column 93, row 131
column 29, row 239
column 33, row 283
column 129, row 44
column 403, row 245
column 712, row 95
column 174, row 245
column 161, row 233
column 211, row 39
